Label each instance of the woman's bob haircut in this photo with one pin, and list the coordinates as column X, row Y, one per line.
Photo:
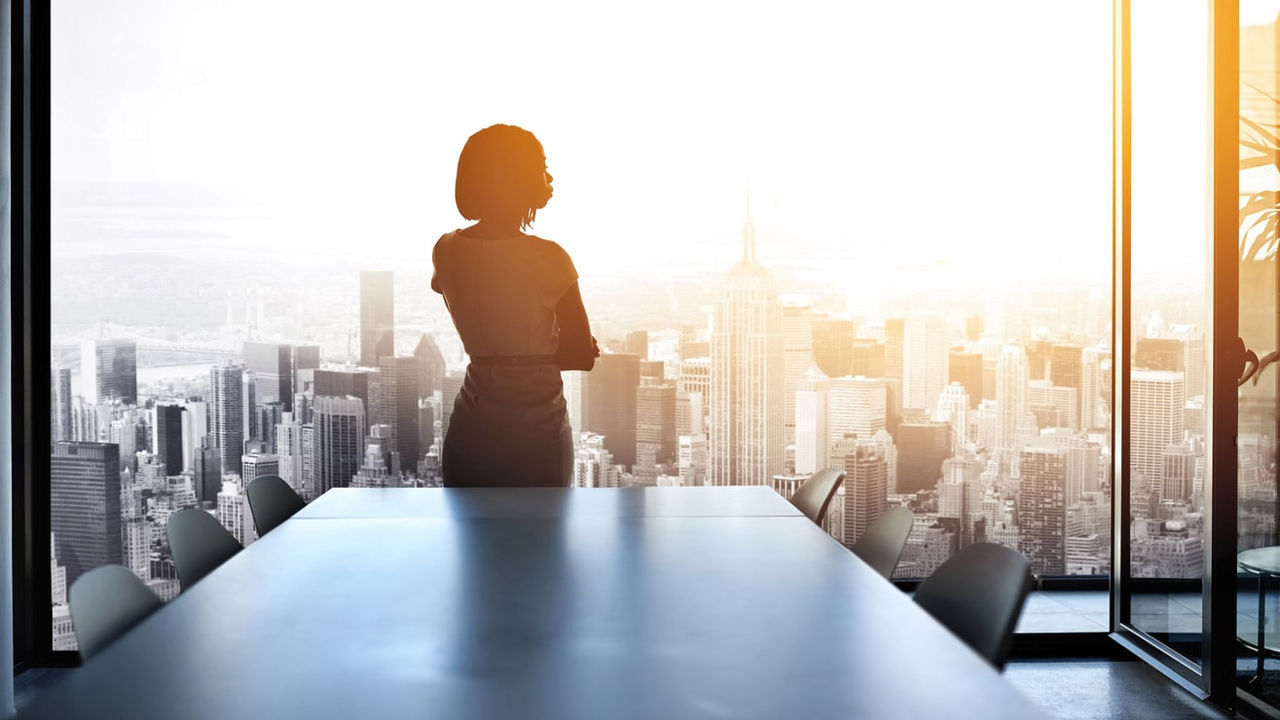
column 500, row 174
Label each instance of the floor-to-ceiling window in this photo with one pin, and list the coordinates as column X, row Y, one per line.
column 245, row 195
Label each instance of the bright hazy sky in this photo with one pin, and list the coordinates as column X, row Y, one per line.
column 910, row 131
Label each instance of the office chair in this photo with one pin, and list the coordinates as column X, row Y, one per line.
column 105, row 603
column 199, row 544
column 271, row 501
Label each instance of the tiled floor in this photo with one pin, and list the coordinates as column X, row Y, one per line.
column 1058, row 611
column 1100, row 689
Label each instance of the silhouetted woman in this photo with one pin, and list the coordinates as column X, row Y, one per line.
column 515, row 302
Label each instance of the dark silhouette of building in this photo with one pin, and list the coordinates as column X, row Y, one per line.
column 922, row 448
column 272, row 368
column 340, row 383
column 966, row 369
column 84, row 505
column 169, row 437
column 833, row 346
column 609, row 406
column 109, row 369
column 1159, row 354
column 377, row 316
column 655, row 425
column 431, row 366
column 397, row 407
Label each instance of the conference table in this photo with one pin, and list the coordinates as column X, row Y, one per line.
column 540, row 603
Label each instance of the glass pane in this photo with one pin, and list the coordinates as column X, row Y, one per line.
column 1257, row 610
column 1168, row 282
column 792, row 258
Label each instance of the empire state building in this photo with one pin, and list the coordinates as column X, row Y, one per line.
column 747, row 400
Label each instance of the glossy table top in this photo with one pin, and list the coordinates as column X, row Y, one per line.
column 1263, row 560
column 547, row 502
column 577, row 616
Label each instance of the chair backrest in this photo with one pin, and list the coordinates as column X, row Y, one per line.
column 271, row 501
column 813, row 497
column 978, row 594
column 882, row 542
column 199, row 544
column 105, row 603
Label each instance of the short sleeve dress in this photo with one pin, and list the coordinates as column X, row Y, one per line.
column 510, row 425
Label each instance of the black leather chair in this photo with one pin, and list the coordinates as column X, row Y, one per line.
column 105, row 603
column 271, row 501
column 978, row 594
column 813, row 497
column 881, row 544
column 199, row 544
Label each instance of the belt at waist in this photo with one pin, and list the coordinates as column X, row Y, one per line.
column 514, row 360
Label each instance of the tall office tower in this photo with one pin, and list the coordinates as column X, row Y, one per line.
column 866, row 484
column 1179, row 472
column 966, row 368
column 381, row 466
column 431, row 366
column 960, row 496
column 797, row 341
column 233, row 512
column 1083, row 461
column 271, row 365
column 637, row 343
column 692, row 459
column 1042, row 509
column 695, row 376
column 926, row 350
column 856, row 406
column 266, row 417
column 1159, row 353
column 1043, row 393
column 867, row 358
column 833, row 346
column 310, row 486
column 1156, row 420
column 953, row 409
column 289, row 448
column 453, row 386
column 207, row 469
column 109, row 370
column 1192, row 356
column 426, row 424
column 398, row 407
column 377, row 316
column 249, row 408
column 168, row 441
column 655, row 369
column 305, row 359
column 1011, row 405
column 610, row 404
column 655, row 427
column 340, row 383
column 813, row 437
column 61, row 425
column 84, row 505
column 1038, row 353
column 256, row 465
column 689, row 413
column 574, row 385
column 972, row 327
column 748, row 403
column 922, row 446
column 226, row 414
column 593, row 463
column 338, row 441
column 894, row 347
column 1091, row 385
column 1064, row 365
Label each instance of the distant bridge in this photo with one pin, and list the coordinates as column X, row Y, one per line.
column 194, row 350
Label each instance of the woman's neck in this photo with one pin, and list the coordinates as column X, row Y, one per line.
column 494, row 228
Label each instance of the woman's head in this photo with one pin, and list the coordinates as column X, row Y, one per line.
column 502, row 175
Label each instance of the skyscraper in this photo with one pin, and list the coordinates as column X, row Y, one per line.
column 856, row 406
column 84, row 505
column 1012, row 377
column 168, row 442
column 812, row 437
column 61, row 425
column 832, row 343
column 966, row 368
column 925, row 355
column 637, row 344
column 1042, row 509
column 748, row 404
column 377, row 316
column 867, row 358
column 1156, row 418
column 866, row 485
column 338, row 442
column 922, row 447
column 256, row 465
column 894, row 347
column 109, row 370
column 398, row 406
column 226, row 414
column 272, row 367
column 340, row 383
column 609, row 407
column 655, row 427
column 431, row 366
column 797, row 338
